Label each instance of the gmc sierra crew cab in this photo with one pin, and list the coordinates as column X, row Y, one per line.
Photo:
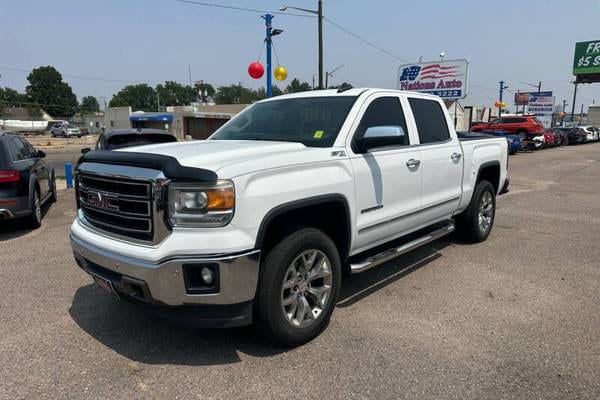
column 258, row 223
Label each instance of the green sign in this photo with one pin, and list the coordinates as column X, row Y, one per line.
column 587, row 58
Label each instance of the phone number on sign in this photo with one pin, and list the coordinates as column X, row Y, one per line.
column 445, row 93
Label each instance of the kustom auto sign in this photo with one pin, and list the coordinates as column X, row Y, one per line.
column 541, row 103
column 447, row 79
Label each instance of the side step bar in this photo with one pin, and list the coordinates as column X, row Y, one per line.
column 392, row 253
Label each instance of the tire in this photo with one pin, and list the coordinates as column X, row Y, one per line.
column 53, row 195
column 468, row 226
column 281, row 279
column 35, row 218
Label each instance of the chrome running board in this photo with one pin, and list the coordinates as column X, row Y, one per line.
column 392, row 253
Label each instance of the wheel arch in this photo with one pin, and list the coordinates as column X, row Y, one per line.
column 323, row 212
column 490, row 171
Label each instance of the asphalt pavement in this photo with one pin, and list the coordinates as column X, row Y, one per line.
column 515, row 317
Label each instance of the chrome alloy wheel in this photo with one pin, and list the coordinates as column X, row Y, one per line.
column 306, row 288
column 486, row 210
column 37, row 208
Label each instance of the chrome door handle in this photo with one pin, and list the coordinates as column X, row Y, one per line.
column 456, row 156
column 412, row 163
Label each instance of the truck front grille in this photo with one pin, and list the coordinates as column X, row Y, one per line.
column 117, row 205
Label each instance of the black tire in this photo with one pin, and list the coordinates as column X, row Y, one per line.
column 269, row 310
column 53, row 195
column 468, row 226
column 35, row 218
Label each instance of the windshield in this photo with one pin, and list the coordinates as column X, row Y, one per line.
column 312, row 121
column 137, row 139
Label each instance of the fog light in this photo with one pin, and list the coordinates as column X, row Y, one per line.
column 208, row 275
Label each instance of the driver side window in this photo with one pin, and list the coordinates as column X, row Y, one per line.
column 384, row 111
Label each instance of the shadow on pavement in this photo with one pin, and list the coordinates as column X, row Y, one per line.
column 359, row 286
column 148, row 339
column 15, row 228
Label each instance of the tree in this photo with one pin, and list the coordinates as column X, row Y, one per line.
column 204, row 91
column 343, row 86
column 261, row 93
column 234, row 94
column 139, row 97
column 47, row 89
column 89, row 104
column 175, row 94
column 11, row 98
column 295, row 86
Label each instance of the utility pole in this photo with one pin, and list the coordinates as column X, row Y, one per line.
column 269, row 41
column 502, row 88
column 562, row 118
column 190, row 74
column 574, row 99
column 319, row 13
column 328, row 74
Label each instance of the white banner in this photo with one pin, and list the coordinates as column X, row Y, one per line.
column 447, row 79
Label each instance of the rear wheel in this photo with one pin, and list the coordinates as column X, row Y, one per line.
column 35, row 219
column 475, row 223
column 298, row 287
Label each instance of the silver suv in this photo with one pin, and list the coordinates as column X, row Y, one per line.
column 64, row 130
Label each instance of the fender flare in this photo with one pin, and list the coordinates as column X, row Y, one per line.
column 490, row 164
column 297, row 204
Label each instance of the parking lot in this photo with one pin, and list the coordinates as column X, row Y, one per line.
column 517, row 316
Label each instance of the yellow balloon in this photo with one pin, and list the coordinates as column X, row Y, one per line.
column 280, row 73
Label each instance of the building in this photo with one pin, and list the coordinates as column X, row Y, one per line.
column 197, row 121
column 594, row 115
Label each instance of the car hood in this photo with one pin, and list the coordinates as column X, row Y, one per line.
column 230, row 158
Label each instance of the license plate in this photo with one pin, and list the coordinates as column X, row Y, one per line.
column 104, row 284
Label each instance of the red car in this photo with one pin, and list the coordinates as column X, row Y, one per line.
column 511, row 125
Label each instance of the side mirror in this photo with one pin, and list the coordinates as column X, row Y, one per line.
column 85, row 150
column 381, row 136
column 41, row 154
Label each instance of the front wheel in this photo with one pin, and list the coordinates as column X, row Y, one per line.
column 298, row 287
column 475, row 223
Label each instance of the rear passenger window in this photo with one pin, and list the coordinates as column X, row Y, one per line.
column 17, row 149
column 430, row 120
column 383, row 111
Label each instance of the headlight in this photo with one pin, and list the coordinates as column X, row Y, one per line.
column 198, row 205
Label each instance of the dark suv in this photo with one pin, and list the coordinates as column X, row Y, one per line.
column 26, row 180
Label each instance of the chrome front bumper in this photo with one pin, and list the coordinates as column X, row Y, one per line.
column 163, row 282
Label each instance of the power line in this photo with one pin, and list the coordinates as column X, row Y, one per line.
column 68, row 75
column 252, row 10
column 356, row 36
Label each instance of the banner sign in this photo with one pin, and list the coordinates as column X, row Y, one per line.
column 587, row 58
column 446, row 79
column 521, row 99
column 541, row 103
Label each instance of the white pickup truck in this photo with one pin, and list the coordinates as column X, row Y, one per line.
column 258, row 223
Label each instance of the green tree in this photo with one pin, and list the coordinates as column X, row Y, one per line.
column 234, row 94
column 261, row 93
column 175, row 94
column 11, row 98
column 204, row 91
column 295, row 86
column 47, row 89
column 139, row 97
column 343, row 86
column 89, row 104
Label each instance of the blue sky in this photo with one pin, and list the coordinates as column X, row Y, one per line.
column 155, row 40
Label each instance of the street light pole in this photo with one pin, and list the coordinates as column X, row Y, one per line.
column 319, row 13
column 268, row 40
column 502, row 87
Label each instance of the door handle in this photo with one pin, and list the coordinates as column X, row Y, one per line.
column 456, row 156
column 412, row 163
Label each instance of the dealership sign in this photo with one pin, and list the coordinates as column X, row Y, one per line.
column 587, row 58
column 447, row 79
column 541, row 103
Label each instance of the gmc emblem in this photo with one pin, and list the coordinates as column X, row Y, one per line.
column 102, row 200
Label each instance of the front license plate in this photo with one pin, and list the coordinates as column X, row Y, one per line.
column 105, row 284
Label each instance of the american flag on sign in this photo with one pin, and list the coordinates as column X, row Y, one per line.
column 437, row 71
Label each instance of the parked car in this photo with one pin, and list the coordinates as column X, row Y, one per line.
column 521, row 125
column 257, row 223
column 591, row 134
column 120, row 139
column 65, row 130
column 574, row 135
column 26, row 180
column 514, row 141
column 549, row 138
column 561, row 137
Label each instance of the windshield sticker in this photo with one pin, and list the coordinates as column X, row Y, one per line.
column 318, row 134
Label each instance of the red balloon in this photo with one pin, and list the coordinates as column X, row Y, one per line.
column 256, row 70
